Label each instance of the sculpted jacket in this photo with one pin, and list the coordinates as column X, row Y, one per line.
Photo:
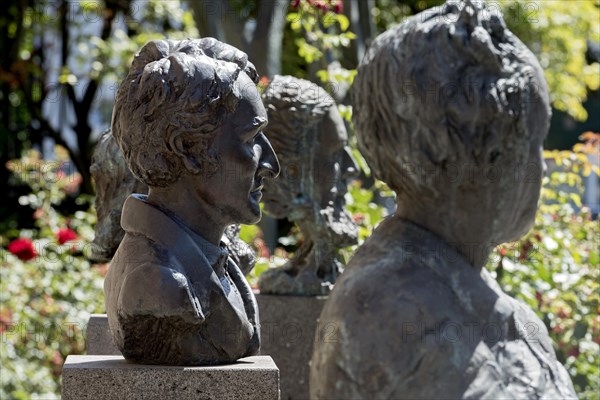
column 413, row 319
column 174, row 298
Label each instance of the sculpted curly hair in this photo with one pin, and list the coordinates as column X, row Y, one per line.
column 469, row 102
column 180, row 90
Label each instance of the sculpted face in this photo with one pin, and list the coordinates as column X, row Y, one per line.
column 319, row 181
column 334, row 163
column 525, row 193
column 310, row 136
column 246, row 158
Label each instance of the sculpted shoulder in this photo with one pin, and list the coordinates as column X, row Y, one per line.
column 388, row 308
column 148, row 281
column 384, row 271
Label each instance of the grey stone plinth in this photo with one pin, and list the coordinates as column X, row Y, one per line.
column 288, row 325
column 111, row 377
column 99, row 340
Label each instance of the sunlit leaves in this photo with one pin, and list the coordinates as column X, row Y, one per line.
column 556, row 31
column 555, row 268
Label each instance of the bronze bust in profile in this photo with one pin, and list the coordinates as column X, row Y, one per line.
column 310, row 138
column 113, row 184
column 188, row 120
column 451, row 111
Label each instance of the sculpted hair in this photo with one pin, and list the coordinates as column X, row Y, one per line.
column 448, row 87
column 176, row 90
column 295, row 108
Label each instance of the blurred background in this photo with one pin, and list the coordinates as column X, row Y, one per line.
column 61, row 63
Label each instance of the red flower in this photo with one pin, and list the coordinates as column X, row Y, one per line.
column 264, row 81
column 295, row 4
column 22, row 248
column 502, row 252
column 263, row 250
column 358, row 218
column 65, row 234
column 338, row 6
column 39, row 213
column 573, row 352
column 72, row 185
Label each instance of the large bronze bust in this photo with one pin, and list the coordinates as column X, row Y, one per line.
column 188, row 120
column 309, row 135
column 451, row 110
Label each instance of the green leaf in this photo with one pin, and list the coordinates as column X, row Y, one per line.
column 343, row 21
column 575, row 198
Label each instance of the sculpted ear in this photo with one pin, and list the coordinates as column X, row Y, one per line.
column 178, row 147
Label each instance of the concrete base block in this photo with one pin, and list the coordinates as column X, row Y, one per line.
column 111, row 377
column 98, row 340
column 288, row 325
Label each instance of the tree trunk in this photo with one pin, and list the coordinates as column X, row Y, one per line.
column 265, row 51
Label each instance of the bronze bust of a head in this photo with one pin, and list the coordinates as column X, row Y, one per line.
column 309, row 136
column 450, row 110
column 188, row 120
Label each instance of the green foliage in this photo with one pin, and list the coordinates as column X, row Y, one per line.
column 252, row 234
column 556, row 31
column 319, row 35
column 387, row 13
column 94, row 44
column 113, row 56
column 554, row 269
column 366, row 209
column 45, row 302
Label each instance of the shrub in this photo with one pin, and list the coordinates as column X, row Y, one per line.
column 48, row 289
column 554, row 268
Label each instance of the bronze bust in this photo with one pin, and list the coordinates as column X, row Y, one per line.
column 309, row 135
column 451, row 111
column 113, row 183
column 188, row 120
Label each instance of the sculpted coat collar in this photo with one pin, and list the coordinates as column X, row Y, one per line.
column 198, row 258
column 137, row 205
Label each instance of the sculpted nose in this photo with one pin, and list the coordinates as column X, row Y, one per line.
column 268, row 165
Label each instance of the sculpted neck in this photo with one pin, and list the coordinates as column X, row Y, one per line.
column 187, row 209
column 462, row 226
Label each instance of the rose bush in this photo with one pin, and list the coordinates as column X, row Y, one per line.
column 48, row 288
column 555, row 267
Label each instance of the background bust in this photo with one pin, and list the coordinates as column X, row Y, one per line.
column 188, row 121
column 450, row 110
column 310, row 138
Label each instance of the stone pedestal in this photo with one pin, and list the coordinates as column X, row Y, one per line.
column 288, row 325
column 111, row 377
column 98, row 340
